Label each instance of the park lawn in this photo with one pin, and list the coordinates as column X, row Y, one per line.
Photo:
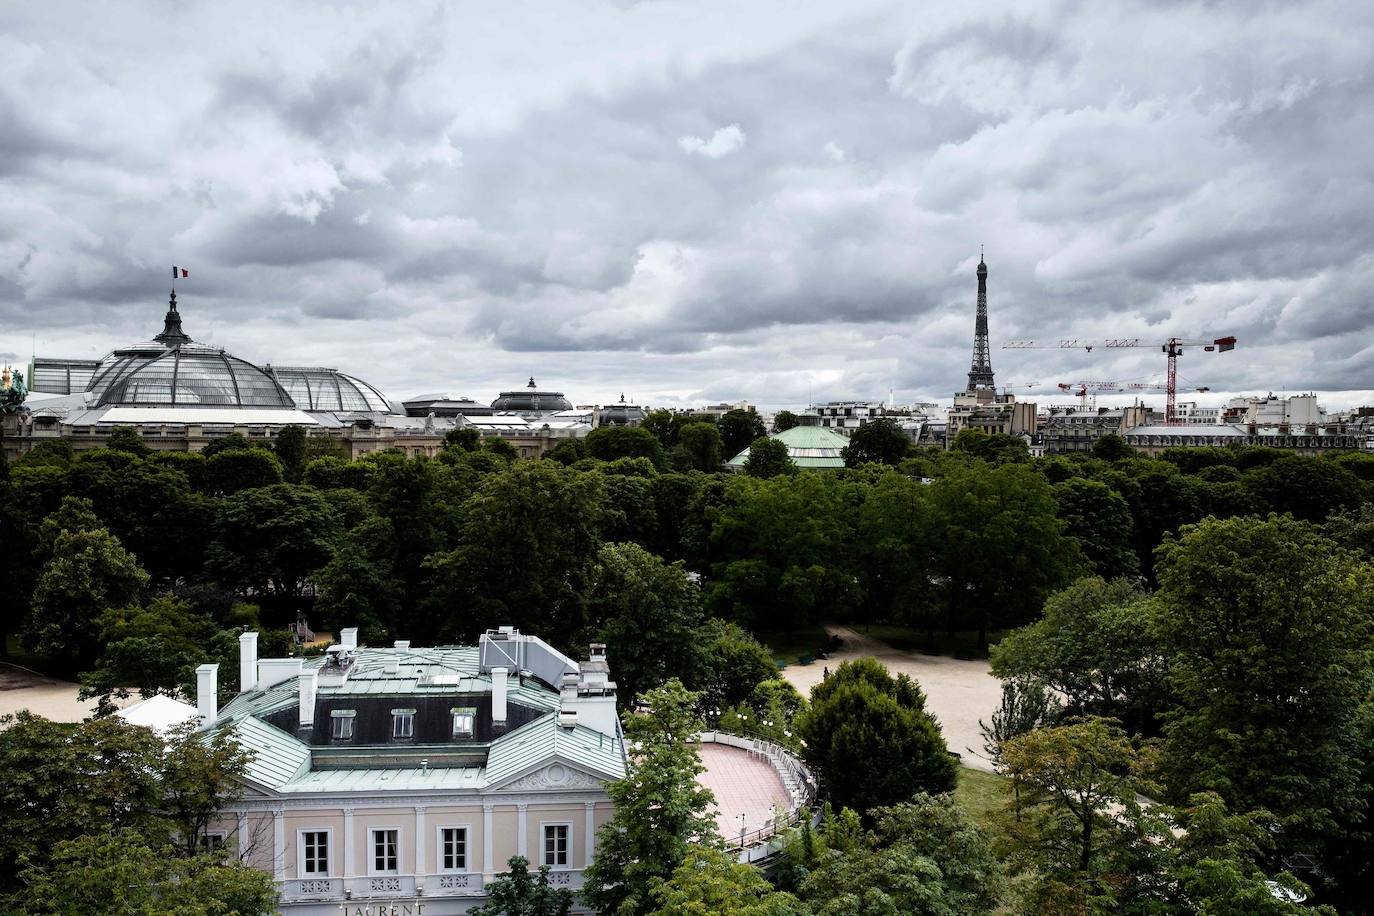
column 963, row 644
column 982, row 794
column 790, row 645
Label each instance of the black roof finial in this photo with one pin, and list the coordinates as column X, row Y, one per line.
column 531, row 384
column 172, row 335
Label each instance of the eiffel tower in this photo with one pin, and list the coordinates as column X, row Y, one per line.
column 980, row 375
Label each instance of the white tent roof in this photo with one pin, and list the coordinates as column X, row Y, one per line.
column 160, row 713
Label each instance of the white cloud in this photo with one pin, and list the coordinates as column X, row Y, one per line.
column 456, row 197
column 723, row 142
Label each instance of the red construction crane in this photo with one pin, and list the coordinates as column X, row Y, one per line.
column 1173, row 347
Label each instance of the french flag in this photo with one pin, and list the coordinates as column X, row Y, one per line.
column 180, row 272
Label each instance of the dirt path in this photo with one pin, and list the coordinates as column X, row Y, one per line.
column 21, row 688
column 959, row 692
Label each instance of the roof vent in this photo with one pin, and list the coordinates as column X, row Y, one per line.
column 567, row 718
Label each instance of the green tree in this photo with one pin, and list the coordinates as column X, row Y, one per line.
column 1095, row 648
column 664, row 425
column 1026, row 705
column 784, row 420
column 1112, row 447
column 611, row 442
column 872, row 740
column 703, row 442
column 924, row 858
column 358, row 586
column 231, row 442
column 996, row 448
column 527, row 547
column 648, row 613
column 1267, row 626
column 733, row 665
column 1098, row 518
column 1308, row 488
column 500, row 448
column 60, row 780
column 738, row 428
column 1089, row 845
column 1353, row 529
column 518, row 893
column 332, row 472
column 1077, row 787
column 660, row 808
column 709, row 882
column 89, row 573
column 769, row 458
column 415, row 496
column 234, row 470
column 153, row 650
column 269, row 541
column 127, row 439
column 463, row 438
column 17, row 566
column 122, row 874
column 879, row 441
column 896, row 546
column 568, row 451
column 783, row 550
column 1001, row 545
column 290, row 450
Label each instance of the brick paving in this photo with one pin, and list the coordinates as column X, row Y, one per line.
column 743, row 784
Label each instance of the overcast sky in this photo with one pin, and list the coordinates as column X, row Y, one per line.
column 692, row 201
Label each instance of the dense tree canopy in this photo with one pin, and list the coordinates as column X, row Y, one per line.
column 871, row 738
column 738, row 428
column 880, row 441
column 1268, row 628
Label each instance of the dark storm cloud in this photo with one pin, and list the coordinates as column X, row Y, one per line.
column 768, row 201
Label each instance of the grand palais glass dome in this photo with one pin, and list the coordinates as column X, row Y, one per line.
column 172, row 370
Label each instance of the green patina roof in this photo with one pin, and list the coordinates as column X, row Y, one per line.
column 812, row 447
column 281, row 762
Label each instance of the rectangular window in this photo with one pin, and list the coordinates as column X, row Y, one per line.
column 315, row 852
column 453, row 848
column 386, row 851
column 403, row 723
column 341, row 725
column 556, row 844
column 209, row 842
column 463, row 719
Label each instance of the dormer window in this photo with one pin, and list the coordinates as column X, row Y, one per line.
column 464, row 718
column 341, row 724
column 403, row 723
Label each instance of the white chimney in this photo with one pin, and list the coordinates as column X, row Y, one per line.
column 248, row 662
column 590, row 695
column 309, row 680
column 207, row 693
column 498, row 696
column 348, row 638
column 402, row 644
column 272, row 671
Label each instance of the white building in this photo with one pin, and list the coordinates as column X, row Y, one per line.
column 402, row 780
